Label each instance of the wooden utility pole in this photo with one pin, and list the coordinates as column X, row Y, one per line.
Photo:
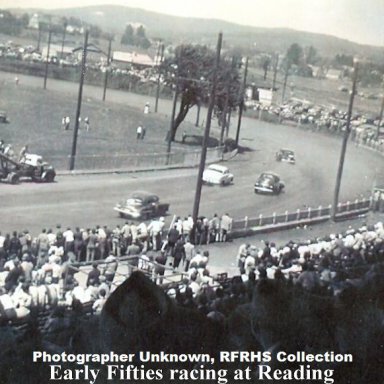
column 47, row 58
column 40, row 25
column 224, row 116
column 198, row 105
column 172, row 122
column 284, row 85
column 380, row 119
column 160, row 56
column 107, row 69
column 344, row 144
column 199, row 184
column 79, row 99
column 241, row 106
column 63, row 41
column 275, row 71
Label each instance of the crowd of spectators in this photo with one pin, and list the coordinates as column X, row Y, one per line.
column 364, row 128
column 323, row 266
column 39, row 272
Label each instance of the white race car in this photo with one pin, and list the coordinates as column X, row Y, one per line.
column 217, row 174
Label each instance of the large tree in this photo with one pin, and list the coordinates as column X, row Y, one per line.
column 191, row 71
column 294, row 55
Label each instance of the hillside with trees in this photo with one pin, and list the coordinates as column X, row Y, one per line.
column 113, row 18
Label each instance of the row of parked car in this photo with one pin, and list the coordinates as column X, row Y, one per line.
column 324, row 118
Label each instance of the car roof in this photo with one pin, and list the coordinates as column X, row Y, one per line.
column 142, row 195
column 218, row 167
column 286, row 150
column 267, row 173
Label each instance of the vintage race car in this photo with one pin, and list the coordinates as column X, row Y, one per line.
column 34, row 167
column 217, row 174
column 286, row 155
column 141, row 205
column 269, row 182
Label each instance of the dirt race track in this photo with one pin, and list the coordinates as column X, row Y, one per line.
column 86, row 201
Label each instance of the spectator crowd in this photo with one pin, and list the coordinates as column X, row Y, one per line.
column 37, row 273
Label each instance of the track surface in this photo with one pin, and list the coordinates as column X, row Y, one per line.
column 87, row 201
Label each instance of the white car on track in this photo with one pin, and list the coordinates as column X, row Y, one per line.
column 217, row 174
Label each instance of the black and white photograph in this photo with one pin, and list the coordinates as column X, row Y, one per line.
column 191, row 192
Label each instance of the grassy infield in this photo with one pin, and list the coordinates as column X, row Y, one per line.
column 35, row 119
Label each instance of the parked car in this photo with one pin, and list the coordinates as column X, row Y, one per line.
column 141, row 205
column 269, row 182
column 3, row 117
column 286, row 155
column 217, row 174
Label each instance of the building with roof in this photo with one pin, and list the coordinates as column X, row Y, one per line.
column 133, row 58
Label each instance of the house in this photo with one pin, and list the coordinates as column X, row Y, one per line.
column 333, row 74
column 139, row 60
column 55, row 51
column 94, row 53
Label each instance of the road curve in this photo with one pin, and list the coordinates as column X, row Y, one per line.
column 87, row 201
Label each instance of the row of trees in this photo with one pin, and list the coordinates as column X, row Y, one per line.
column 12, row 25
column 298, row 60
column 136, row 37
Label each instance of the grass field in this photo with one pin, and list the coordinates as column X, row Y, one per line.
column 35, row 119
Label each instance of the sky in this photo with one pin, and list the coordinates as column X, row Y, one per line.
column 361, row 21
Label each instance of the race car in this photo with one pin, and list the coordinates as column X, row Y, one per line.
column 34, row 167
column 286, row 155
column 141, row 205
column 269, row 182
column 217, row 174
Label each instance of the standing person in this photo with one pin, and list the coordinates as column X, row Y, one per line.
column 189, row 253
column 179, row 252
column 42, row 247
column 116, row 241
column 22, row 153
column 91, row 246
column 86, row 123
column 155, row 230
column 139, row 132
column 214, row 229
column 172, row 237
column 146, row 108
column 78, row 244
column 69, row 240
column 225, row 226
column 242, row 254
column 67, row 123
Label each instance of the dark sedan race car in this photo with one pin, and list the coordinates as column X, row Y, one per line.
column 286, row 155
column 141, row 205
column 269, row 182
